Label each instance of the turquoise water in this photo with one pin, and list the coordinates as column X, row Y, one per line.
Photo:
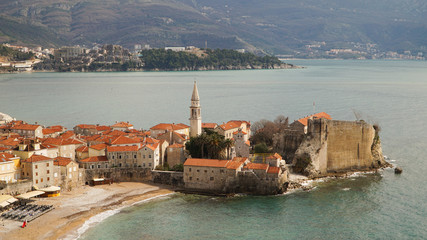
column 378, row 206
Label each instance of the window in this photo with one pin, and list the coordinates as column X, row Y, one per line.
column 120, row 164
column 55, row 174
column 191, row 178
column 149, row 156
column 212, row 178
column 221, row 171
column 143, row 164
column 37, row 181
column 134, row 156
column 41, row 180
column 74, row 168
column 70, row 176
column 198, row 170
column 47, row 171
column 37, row 173
column 69, row 169
column 112, row 156
column 99, row 165
column 47, row 164
column 189, row 169
column 206, row 171
column 197, row 179
column 149, row 164
column 36, row 166
column 93, row 166
column 49, row 178
column 143, row 156
column 120, row 156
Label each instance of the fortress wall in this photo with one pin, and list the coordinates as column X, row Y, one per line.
column 348, row 145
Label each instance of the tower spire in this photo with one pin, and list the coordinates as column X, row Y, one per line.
column 195, row 114
column 195, row 96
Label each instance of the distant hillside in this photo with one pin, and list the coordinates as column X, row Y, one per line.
column 276, row 26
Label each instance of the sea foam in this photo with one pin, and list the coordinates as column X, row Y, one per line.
column 91, row 222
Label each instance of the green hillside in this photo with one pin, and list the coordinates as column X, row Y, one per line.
column 276, row 26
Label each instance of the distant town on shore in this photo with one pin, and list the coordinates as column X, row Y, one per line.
column 110, row 57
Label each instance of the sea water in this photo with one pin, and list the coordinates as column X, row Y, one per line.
column 374, row 206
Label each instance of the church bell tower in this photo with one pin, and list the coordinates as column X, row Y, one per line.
column 195, row 115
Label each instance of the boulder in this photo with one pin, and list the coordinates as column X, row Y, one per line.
column 398, row 170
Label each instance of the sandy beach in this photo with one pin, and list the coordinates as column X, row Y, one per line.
column 73, row 209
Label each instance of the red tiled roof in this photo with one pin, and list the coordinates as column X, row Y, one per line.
column 122, row 148
column 122, row 125
column 6, row 157
column 257, row 166
column 115, row 133
column 176, row 145
column 86, row 126
column 206, row 162
column 67, row 134
column 209, row 125
column 169, row 126
column 103, row 128
column 31, row 127
column 37, row 158
column 151, row 146
column 244, row 133
column 95, row 159
column 99, row 146
column 61, row 161
column 3, row 149
column 149, row 140
column 274, row 170
column 234, row 165
column 229, row 125
column 61, row 141
column 304, row 121
column 82, row 149
column 123, row 140
column 49, row 131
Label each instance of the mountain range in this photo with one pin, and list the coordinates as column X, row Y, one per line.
column 271, row 26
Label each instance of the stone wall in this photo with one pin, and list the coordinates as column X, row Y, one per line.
column 339, row 146
column 20, row 187
column 287, row 142
column 175, row 179
column 120, row 174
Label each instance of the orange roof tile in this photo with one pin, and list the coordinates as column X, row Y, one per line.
column 103, row 128
column 229, row 125
column 244, row 133
column 257, row 166
column 3, row 149
column 99, row 146
column 61, row 141
column 234, row 165
column 67, row 134
column 176, row 145
column 123, row 140
column 26, row 127
column 199, row 162
column 304, row 121
column 82, row 149
column 6, row 157
column 86, row 126
column 95, row 159
column 273, row 170
column 37, row 158
column 122, row 125
column 169, row 126
column 209, row 125
column 61, row 161
column 115, row 133
column 122, row 148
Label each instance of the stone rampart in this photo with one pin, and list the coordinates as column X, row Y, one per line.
column 175, row 179
column 16, row 188
column 120, row 174
column 332, row 146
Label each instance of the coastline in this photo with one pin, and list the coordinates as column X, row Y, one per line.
column 76, row 208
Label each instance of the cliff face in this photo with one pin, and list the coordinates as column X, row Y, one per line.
column 338, row 146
